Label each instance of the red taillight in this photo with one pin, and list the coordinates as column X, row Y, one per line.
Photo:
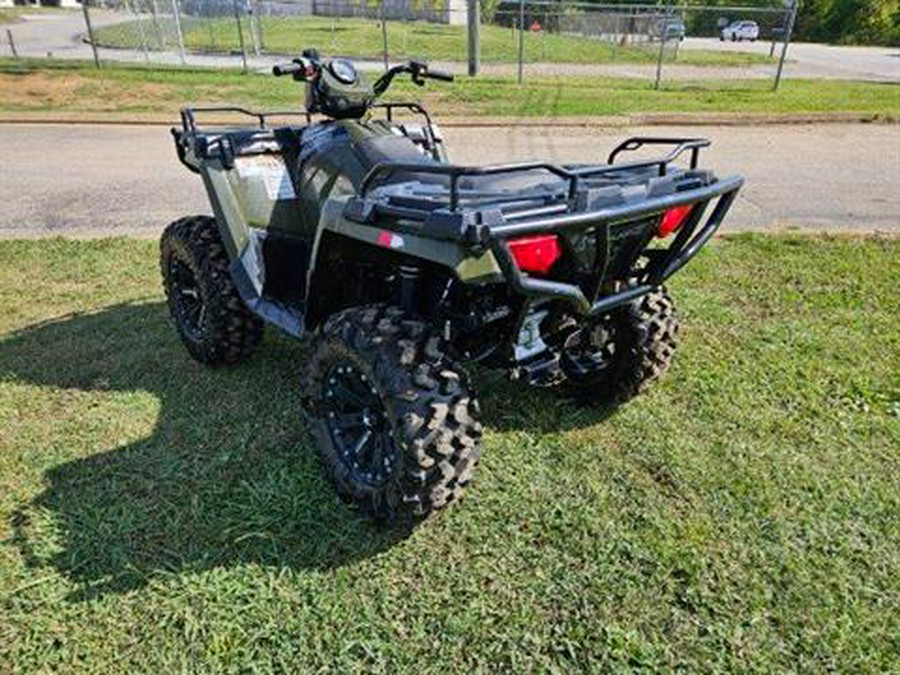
column 673, row 219
column 537, row 253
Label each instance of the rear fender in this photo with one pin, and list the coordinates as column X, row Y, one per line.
column 459, row 260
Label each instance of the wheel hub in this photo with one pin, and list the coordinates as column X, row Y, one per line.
column 188, row 301
column 358, row 425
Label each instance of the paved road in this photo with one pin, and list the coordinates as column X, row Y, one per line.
column 61, row 35
column 809, row 60
column 104, row 180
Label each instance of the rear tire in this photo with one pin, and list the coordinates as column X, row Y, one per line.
column 396, row 421
column 212, row 320
column 639, row 345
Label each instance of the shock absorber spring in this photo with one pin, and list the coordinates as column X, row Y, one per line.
column 409, row 277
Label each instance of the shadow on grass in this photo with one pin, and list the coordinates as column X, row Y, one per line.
column 227, row 476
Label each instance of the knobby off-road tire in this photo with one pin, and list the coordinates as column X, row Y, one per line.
column 644, row 336
column 418, row 405
column 212, row 320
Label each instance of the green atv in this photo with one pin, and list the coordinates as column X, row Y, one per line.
column 406, row 268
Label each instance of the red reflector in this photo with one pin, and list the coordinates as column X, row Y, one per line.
column 537, row 253
column 673, row 219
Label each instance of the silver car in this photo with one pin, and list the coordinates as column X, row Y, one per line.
column 740, row 30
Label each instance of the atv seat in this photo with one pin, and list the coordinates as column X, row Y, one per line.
column 397, row 150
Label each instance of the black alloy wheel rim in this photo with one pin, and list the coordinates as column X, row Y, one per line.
column 187, row 298
column 358, row 425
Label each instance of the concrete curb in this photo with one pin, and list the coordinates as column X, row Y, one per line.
column 632, row 120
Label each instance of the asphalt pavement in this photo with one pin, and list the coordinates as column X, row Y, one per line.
column 112, row 179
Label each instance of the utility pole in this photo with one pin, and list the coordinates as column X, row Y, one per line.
column 474, row 21
column 792, row 15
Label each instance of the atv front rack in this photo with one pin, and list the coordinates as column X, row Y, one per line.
column 582, row 199
column 189, row 115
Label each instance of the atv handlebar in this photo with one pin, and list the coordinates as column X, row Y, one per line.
column 304, row 67
column 301, row 69
column 281, row 69
column 419, row 71
column 440, row 75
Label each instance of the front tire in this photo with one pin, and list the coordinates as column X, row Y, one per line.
column 396, row 422
column 212, row 320
column 621, row 357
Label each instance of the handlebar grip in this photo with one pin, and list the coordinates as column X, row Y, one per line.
column 281, row 69
column 440, row 75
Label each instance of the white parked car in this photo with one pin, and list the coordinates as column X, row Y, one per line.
column 740, row 30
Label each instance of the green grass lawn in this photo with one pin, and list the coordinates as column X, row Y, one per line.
column 158, row 516
column 56, row 86
column 362, row 38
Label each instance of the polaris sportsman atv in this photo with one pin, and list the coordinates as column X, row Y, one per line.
column 353, row 226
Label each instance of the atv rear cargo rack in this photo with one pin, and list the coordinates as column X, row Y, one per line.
column 570, row 174
column 488, row 219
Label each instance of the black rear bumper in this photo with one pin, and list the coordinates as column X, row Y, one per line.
column 686, row 243
column 581, row 203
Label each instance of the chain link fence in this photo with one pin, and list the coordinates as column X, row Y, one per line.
column 516, row 39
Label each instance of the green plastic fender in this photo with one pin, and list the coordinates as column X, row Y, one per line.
column 468, row 267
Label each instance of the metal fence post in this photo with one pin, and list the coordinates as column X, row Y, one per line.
column 252, row 25
column 90, row 30
column 176, row 13
column 521, row 38
column 474, row 21
column 787, row 40
column 240, row 30
column 12, row 43
column 662, row 47
column 384, row 37
column 259, row 30
column 543, row 31
column 141, row 32
column 615, row 41
column 331, row 11
column 154, row 13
